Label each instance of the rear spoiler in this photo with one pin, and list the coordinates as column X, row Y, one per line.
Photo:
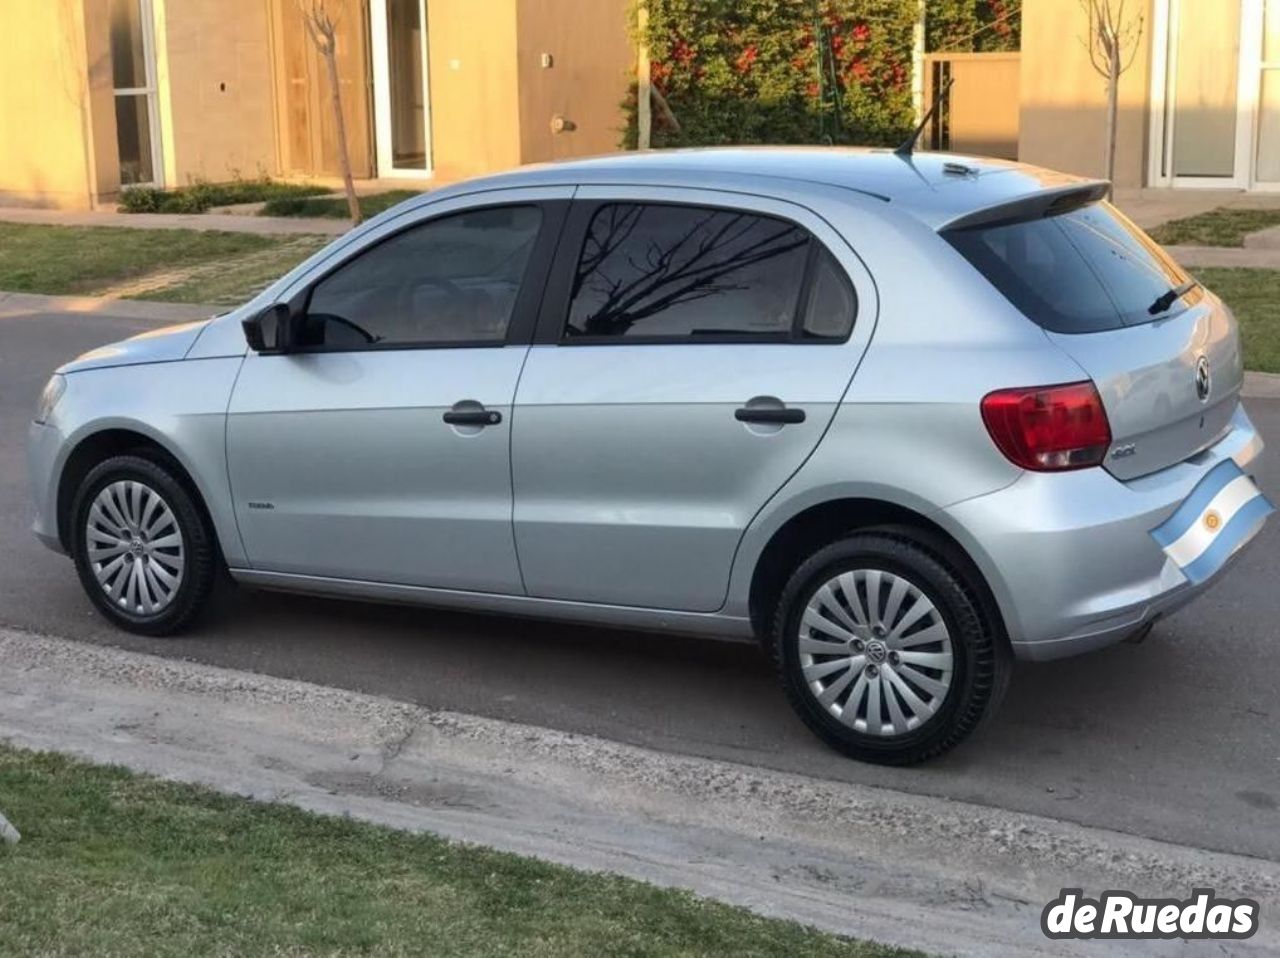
column 1033, row 206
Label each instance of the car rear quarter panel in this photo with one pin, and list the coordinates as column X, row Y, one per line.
column 909, row 430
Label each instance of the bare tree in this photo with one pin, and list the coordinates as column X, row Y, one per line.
column 1113, row 41
column 323, row 29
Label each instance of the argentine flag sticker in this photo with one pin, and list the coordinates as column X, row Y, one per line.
column 1223, row 512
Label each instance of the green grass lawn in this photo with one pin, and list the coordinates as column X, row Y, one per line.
column 111, row 863
column 188, row 265
column 73, row 259
column 1221, row 227
column 234, row 280
column 1254, row 296
column 334, row 207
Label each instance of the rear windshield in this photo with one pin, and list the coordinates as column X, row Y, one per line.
column 1084, row 271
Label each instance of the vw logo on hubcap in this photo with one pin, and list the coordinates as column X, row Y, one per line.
column 876, row 651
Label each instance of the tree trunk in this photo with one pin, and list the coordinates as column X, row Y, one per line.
column 644, row 82
column 1113, row 100
column 344, row 158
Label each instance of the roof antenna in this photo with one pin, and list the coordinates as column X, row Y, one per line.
column 909, row 144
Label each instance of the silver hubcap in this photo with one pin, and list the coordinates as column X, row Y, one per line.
column 135, row 547
column 875, row 652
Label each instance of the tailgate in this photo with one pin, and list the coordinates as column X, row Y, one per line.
column 1163, row 352
column 1152, row 379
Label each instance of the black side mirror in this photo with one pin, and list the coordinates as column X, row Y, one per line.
column 268, row 331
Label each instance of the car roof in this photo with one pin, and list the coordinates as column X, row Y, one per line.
column 936, row 188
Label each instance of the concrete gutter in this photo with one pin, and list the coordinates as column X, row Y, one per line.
column 25, row 304
column 1261, row 386
column 929, row 873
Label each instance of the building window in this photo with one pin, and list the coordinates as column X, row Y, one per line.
column 133, row 77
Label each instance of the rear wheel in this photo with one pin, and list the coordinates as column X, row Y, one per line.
column 884, row 652
column 142, row 547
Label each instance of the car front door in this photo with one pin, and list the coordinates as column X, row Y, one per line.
column 377, row 447
column 691, row 351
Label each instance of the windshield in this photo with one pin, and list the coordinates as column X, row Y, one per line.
column 1084, row 271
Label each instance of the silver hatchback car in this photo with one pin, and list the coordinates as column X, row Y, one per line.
column 902, row 419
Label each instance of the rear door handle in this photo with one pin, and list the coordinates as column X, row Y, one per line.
column 473, row 417
column 768, row 414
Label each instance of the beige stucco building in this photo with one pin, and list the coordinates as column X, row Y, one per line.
column 1198, row 108
column 96, row 94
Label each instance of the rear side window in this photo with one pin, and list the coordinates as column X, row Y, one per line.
column 1084, row 271
column 665, row 273
column 831, row 303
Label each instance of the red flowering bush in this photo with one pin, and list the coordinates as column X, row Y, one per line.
column 796, row 71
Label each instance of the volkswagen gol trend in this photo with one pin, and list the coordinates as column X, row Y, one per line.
column 902, row 419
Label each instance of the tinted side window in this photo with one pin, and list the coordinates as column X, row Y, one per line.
column 832, row 304
column 660, row 271
column 1080, row 272
column 452, row 280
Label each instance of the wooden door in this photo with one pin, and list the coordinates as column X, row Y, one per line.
column 308, row 134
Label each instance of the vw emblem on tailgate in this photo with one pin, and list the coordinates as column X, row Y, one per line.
column 1204, row 382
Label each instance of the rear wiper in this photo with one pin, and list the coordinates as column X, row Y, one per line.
column 1165, row 300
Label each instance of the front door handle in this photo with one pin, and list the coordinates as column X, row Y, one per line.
column 472, row 415
column 779, row 415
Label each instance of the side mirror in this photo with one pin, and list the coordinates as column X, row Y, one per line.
column 268, row 331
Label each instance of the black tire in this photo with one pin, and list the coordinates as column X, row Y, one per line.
column 199, row 548
column 980, row 658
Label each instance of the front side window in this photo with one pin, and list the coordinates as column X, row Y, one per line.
column 453, row 280
column 682, row 272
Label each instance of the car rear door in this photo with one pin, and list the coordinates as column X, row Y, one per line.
column 378, row 447
column 691, row 351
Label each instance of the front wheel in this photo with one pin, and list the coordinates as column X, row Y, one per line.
column 884, row 652
column 143, row 549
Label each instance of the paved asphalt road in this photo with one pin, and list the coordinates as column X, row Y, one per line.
column 1176, row 739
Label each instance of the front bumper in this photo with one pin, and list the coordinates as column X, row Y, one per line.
column 44, row 443
column 1070, row 556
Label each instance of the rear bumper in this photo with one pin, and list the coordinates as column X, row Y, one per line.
column 1070, row 556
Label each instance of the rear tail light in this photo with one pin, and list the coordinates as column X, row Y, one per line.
column 1049, row 428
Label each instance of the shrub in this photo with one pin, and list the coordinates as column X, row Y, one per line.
column 334, row 207
column 799, row 71
column 199, row 196
column 977, row 26
column 141, row 199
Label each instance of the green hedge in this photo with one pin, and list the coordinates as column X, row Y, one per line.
column 974, row 26
column 799, row 71
column 200, row 196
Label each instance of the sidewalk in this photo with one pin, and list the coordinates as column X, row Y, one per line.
column 1229, row 256
column 273, row 225
column 1155, row 211
column 944, row 876
column 1151, row 207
